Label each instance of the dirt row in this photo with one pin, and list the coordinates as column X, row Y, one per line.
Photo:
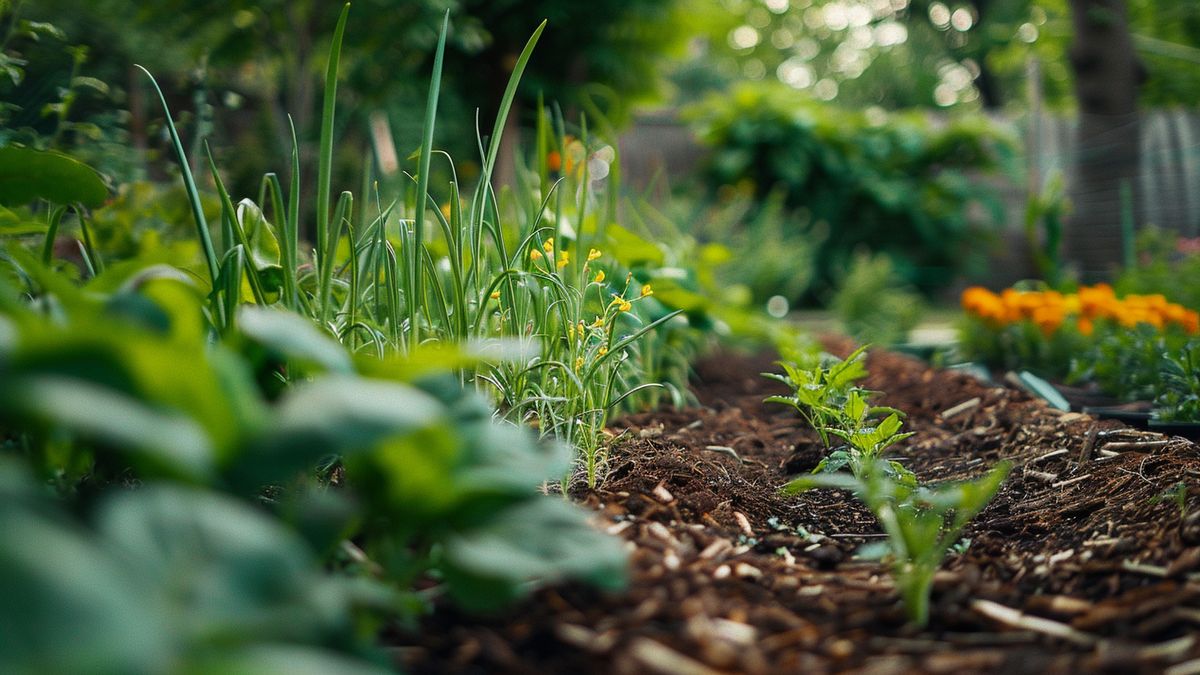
column 1088, row 558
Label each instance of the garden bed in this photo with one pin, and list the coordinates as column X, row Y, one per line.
column 1084, row 560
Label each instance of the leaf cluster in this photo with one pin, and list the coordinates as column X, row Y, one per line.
column 922, row 522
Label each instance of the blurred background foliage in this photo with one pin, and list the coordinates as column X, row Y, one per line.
column 880, row 125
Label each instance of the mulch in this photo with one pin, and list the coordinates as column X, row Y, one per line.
column 1083, row 561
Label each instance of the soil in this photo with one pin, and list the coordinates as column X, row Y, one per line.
column 1080, row 563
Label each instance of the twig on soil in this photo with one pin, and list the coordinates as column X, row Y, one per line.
column 955, row 411
column 1085, row 453
column 1122, row 446
column 726, row 450
column 1072, row 481
column 1017, row 619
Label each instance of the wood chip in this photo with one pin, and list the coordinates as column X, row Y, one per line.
column 743, row 523
column 1140, row 568
column 965, row 406
column 1124, row 446
column 1186, row 668
column 1016, row 619
column 716, row 549
column 655, row 657
column 1072, row 481
column 747, row 571
column 662, row 494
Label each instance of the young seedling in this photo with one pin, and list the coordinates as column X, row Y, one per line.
column 922, row 523
column 821, row 387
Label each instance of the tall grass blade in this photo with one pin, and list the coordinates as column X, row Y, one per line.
column 435, row 86
column 325, row 156
column 189, row 185
column 56, row 217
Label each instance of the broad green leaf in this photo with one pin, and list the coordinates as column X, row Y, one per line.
column 27, row 175
column 293, row 337
column 334, row 415
column 229, row 572
column 542, row 540
column 162, row 443
column 69, row 605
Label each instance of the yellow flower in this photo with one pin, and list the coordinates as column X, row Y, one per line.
column 548, row 246
column 599, row 277
column 564, row 257
column 535, row 254
column 598, row 323
column 495, row 295
column 603, row 351
column 578, row 363
column 646, row 290
column 625, row 306
column 593, row 254
column 571, row 331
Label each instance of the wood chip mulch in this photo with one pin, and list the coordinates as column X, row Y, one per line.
column 1084, row 562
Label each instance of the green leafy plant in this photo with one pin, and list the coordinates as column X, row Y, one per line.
column 874, row 305
column 822, row 385
column 922, row 523
column 1178, row 395
column 895, row 184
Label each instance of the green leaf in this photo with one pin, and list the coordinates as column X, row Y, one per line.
column 334, row 415
column 292, row 336
column 27, row 175
column 161, row 442
column 228, row 572
column 540, row 541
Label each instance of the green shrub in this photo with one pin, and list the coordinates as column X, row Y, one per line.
column 896, row 183
column 873, row 303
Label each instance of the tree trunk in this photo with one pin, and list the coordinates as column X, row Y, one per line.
column 1107, row 77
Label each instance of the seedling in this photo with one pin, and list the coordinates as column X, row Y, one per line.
column 828, row 399
column 821, row 388
column 922, row 523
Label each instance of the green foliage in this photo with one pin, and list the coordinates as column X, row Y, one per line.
column 1124, row 362
column 1178, row 394
column 922, row 523
column 1163, row 263
column 432, row 481
column 873, row 304
column 27, row 175
column 822, row 385
column 895, row 184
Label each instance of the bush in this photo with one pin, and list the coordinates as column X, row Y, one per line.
column 873, row 304
column 895, row 183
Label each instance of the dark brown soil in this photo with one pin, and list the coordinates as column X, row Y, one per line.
column 1079, row 564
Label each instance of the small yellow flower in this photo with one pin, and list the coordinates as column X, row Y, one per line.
column 571, row 331
column 598, row 323
column 625, row 306
column 603, row 351
column 535, row 254
column 548, row 246
column 495, row 295
column 564, row 257
column 578, row 363
column 646, row 290
column 593, row 254
column 599, row 277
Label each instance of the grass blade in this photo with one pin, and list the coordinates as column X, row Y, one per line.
column 189, row 185
column 435, row 86
column 325, row 156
